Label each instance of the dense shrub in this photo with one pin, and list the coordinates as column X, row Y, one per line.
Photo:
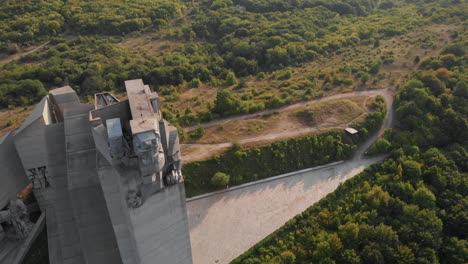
column 246, row 165
column 220, row 180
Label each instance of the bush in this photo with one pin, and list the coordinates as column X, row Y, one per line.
column 198, row 132
column 195, row 83
column 365, row 78
column 381, row 146
column 246, row 165
column 226, row 103
column 231, row 79
column 220, row 180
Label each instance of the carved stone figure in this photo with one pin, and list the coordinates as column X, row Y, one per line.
column 134, row 199
column 17, row 217
column 39, row 177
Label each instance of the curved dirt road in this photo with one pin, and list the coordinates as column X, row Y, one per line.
column 383, row 92
column 387, row 123
column 205, row 150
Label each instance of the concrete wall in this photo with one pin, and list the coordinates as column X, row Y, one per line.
column 89, row 207
column 31, row 147
column 119, row 110
column 62, row 232
column 114, row 190
column 12, row 176
column 161, row 227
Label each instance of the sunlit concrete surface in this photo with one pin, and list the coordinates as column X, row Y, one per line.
column 225, row 225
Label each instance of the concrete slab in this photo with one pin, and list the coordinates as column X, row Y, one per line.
column 225, row 225
column 12, row 177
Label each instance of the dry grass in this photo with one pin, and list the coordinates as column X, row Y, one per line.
column 336, row 113
column 194, row 98
column 236, row 130
column 11, row 119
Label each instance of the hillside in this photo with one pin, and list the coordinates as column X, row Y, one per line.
column 262, row 54
column 413, row 207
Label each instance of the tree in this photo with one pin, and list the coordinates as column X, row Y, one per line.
column 220, row 179
column 436, row 85
column 195, row 83
column 198, row 132
column 375, row 67
column 274, row 102
column 365, row 78
column 411, row 169
column 382, row 146
column 349, row 233
column 461, row 89
column 372, row 254
column 424, row 198
column 288, row 257
column 226, row 103
column 277, row 56
column 29, row 90
column 454, row 250
column 231, row 79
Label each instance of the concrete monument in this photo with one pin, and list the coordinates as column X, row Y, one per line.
column 108, row 178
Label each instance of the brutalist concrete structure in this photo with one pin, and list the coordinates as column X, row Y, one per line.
column 108, row 177
column 14, row 223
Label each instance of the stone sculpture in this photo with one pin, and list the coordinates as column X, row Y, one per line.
column 16, row 219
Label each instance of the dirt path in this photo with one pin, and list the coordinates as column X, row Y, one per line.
column 290, row 107
column 193, row 152
column 387, row 123
column 20, row 55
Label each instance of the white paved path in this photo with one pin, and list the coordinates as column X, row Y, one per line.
column 225, row 225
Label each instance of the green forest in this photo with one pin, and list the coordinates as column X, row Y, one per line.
column 413, row 207
column 223, row 45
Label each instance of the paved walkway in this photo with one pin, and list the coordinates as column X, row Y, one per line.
column 225, row 225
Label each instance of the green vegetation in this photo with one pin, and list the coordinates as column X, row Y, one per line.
column 27, row 22
column 246, row 165
column 207, row 45
column 220, row 180
column 374, row 119
column 198, row 132
column 412, row 208
column 432, row 104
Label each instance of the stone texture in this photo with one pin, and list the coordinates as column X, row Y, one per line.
column 63, row 149
column 12, row 178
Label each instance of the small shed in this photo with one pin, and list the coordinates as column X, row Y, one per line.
column 351, row 130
